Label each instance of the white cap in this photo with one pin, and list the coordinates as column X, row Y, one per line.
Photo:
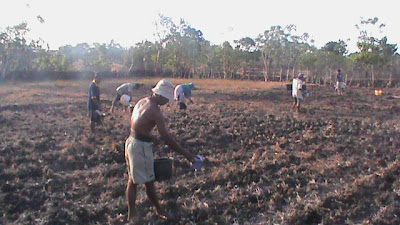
column 125, row 99
column 165, row 88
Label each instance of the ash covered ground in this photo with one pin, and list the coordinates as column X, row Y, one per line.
column 335, row 162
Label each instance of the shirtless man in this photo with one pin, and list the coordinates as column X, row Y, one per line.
column 138, row 147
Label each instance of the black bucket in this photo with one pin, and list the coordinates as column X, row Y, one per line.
column 163, row 169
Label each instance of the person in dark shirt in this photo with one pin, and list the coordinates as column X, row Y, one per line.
column 94, row 102
column 340, row 84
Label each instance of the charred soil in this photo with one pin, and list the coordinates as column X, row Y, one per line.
column 335, row 162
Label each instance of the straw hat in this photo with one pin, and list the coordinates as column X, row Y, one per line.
column 165, row 88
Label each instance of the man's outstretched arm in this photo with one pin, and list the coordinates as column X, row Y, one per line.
column 162, row 129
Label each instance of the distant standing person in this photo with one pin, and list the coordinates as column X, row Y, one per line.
column 138, row 147
column 183, row 91
column 94, row 102
column 124, row 89
column 340, row 84
column 297, row 91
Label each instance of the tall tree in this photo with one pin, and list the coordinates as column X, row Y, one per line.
column 270, row 43
column 248, row 56
column 229, row 60
column 16, row 53
column 374, row 53
column 338, row 48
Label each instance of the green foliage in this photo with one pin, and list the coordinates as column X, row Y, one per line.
column 181, row 50
column 15, row 51
column 375, row 54
column 184, row 46
column 338, row 48
column 246, row 44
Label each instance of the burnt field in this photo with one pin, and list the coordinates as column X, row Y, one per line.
column 336, row 162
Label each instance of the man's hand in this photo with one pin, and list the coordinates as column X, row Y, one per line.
column 96, row 102
column 192, row 158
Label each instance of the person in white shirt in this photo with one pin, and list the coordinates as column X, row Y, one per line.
column 183, row 91
column 297, row 91
column 124, row 89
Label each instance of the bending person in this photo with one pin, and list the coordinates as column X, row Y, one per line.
column 183, row 91
column 124, row 89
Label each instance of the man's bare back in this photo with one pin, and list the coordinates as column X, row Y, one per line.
column 142, row 121
column 145, row 116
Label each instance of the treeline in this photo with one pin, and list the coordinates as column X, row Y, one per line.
column 181, row 51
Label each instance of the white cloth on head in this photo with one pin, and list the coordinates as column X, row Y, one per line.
column 165, row 88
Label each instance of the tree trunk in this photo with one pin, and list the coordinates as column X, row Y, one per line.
column 326, row 77
column 287, row 72
column 266, row 72
column 225, row 73
column 372, row 76
column 311, row 79
column 265, row 76
column 390, row 83
column 266, row 66
column 131, row 68
column 293, row 71
column 350, row 81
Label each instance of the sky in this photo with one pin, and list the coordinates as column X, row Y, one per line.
column 128, row 22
